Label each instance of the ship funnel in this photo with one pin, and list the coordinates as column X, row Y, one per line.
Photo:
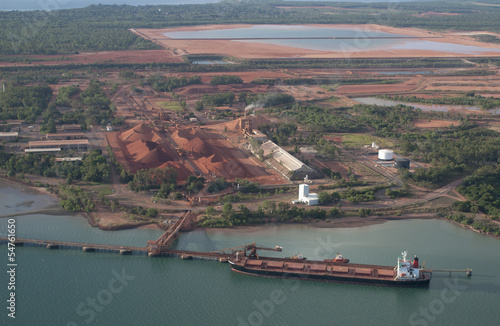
column 415, row 262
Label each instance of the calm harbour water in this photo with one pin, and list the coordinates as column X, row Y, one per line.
column 57, row 287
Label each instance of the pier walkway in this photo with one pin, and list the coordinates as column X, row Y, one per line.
column 51, row 244
column 122, row 250
column 160, row 247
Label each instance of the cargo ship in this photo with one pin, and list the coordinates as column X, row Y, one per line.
column 405, row 273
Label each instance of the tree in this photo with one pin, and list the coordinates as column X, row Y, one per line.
column 198, row 106
column 151, row 212
column 227, row 209
column 210, row 211
column 283, row 207
column 244, row 210
column 270, row 206
column 49, row 127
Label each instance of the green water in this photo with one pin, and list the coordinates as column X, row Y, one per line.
column 57, row 287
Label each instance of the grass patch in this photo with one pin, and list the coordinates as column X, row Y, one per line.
column 171, row 106
column 360, row 140
column 105, row 190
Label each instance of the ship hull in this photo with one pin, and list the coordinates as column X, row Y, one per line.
column 330, row 278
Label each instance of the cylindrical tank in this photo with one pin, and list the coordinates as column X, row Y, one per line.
column 385, row 154
column 402, row 163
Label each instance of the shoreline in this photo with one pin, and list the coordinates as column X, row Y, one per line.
column 345, row 222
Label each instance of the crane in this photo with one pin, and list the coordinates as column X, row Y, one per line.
column 252, row 247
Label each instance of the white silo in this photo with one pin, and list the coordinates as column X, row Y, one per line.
column 303, row 191
column 385, row 154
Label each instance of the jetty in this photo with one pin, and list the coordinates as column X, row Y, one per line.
column 467, row 271
column 160, row 247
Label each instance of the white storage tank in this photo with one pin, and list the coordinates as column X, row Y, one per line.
column 385, row 154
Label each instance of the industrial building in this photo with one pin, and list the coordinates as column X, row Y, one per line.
column 71, row 128
column 305, row 197
column 58, row 145
column 69, row 135
column 8, row 136
column 292, row 166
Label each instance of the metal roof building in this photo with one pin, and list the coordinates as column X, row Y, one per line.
column 290, row 162
column 8, row 135
column 71, row 144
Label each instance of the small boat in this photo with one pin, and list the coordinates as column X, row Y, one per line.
column 337, row 259
column 297, row 256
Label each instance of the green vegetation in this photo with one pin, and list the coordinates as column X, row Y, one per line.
column 93, row 167
column 279, row 132
column 153, row 179
column 194, row 184
column 482, row 225
column 97, row 103
column 482, row 188
column 65, row 94
column 225, row 80
column 342, row 183
column 245, row 186
column 397, row 193
column 358, row 195
column 268, row 211
column 75, row 199
column 163, row 84
column 324, row 119
column 24, row 103
column 55, row 73
column 487, row 38
column 218, row 99
column 360, row 140
column 149, row 213
column 217, row 185
column 328, row 198
column 171, row 106
column 330, row 174
column 324, row 81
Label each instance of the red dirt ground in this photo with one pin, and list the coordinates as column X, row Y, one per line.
column 404, row 87
column 425, row 124
column 235, row 125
